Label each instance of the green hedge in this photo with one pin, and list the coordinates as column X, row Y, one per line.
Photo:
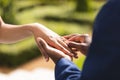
column 17, row 54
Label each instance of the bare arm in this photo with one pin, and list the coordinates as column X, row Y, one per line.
column 12, row 33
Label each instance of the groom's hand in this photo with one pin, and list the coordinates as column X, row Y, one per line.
column 53, row 53
column 78, row 42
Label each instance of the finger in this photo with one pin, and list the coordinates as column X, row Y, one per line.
column 74, row 49
column 44, row 53
column 66, row 47
column 42, row 46
column 76, row 56
column 75, row 45
column 64, row 40
column 75, row 39
column 79, row 38
column 60, row 47
column 82, row 47
column 53, row 52
column 69, row 36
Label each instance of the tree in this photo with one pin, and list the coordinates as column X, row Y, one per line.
column 82, row 5
column 8, row 13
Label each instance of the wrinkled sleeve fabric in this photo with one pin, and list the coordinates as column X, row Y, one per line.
column 66, row 70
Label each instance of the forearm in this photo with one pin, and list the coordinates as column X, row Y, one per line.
column 13, row 33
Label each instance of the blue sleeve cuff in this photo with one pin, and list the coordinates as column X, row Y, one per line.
column 66, row 69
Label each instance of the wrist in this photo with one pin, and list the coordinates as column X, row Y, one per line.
column 31, row 27
column 55, row 59
column 38, row 30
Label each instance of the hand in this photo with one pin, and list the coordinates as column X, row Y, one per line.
column 51, row 38
column 53, row 53
column 78, row 42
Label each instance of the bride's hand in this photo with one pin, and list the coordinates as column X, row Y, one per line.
column 51, row 38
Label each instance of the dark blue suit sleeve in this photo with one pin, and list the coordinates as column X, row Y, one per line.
column 66, row 70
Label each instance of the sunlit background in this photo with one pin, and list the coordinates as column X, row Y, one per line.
column 62, row 16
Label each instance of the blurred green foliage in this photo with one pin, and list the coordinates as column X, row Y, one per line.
column 13, row 55
column 58, row 15
column 83, row 5
column 7, row 11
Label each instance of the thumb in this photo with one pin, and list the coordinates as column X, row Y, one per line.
column 42, row 42
column 43, row 46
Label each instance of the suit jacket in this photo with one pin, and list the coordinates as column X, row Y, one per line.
column 102, row 62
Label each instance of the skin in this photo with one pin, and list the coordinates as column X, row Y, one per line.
column 80, row 42
column 13, row 33
column 53, row 53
